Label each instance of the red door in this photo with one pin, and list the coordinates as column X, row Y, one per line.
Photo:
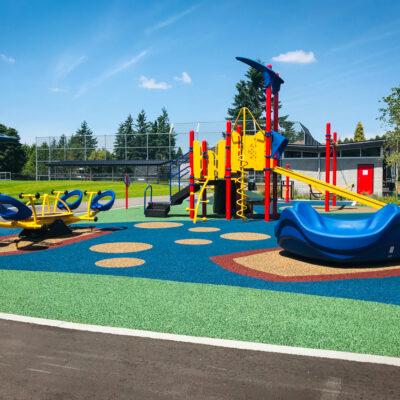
column 365, row 178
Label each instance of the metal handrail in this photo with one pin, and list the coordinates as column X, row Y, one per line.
column 145, row 196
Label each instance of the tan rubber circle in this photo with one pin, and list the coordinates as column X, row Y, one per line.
column 204, row 229
column 246, row 236
column 120, row 262
column 157, row 225
column 193, row 242
column 121, row 247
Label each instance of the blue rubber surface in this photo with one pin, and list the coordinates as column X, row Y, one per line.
column 170, row 261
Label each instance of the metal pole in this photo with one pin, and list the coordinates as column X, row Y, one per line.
column 287, row 183
column 327, row 162
column 126, row 149
column 36, row 164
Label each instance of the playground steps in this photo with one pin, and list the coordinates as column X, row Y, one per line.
column 157, row 209
column 161, row 209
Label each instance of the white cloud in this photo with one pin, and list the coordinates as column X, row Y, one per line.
column 7, row 59
column 67, row 64
column 296, row 57
column 116, row 69
column 184, row 78
column 56, row 89
column 171, row 20
column 152, row 84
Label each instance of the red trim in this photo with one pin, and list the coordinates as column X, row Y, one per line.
column 96, row 233
column 227, row 261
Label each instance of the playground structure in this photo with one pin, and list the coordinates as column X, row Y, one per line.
column 56, row 213
column 224, row 167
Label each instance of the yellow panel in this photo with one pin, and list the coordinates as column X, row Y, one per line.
column 211, row 167
column 221, row 158
column 249, row 151
column 197, row 159
column 235, row 164
column 259, row 139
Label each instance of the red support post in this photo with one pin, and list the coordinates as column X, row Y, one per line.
column 191, row 177
column 228, row 198
column 327, row 162
column 334, row 166
column 287, row 183
column 267, row 169
column 204, row 175
column 275, row 160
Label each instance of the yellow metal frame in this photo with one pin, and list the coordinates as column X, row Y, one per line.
column 49, row 212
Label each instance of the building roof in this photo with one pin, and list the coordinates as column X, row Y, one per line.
column 106, row 163
column 340, row 146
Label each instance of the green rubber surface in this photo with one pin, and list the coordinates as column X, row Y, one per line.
column 205, row 310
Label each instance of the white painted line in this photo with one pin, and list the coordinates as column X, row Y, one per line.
column 227, row 343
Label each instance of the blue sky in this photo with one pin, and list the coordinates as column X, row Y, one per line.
column 62, row 62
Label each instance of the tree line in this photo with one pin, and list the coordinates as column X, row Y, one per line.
column 134, row 140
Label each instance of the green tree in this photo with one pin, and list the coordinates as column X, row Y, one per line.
column 162, row 140
column 29, row 168
column 359, row 135
column 125, row 140
column 82, row 142
column 12, row 156
column 390, row 117
column 141, row 129
column 250, row 93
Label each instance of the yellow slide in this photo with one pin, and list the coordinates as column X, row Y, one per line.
column 322, row 186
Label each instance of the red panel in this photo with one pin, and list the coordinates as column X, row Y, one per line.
column 365, row 178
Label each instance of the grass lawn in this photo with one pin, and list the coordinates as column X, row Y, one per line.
column 205, row 310
column 136, row 189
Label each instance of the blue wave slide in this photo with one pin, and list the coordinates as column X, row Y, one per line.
column 304, row 232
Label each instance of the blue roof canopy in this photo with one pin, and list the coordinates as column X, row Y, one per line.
column 270, row 77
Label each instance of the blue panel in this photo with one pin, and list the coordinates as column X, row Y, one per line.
column 303, row 231
column 279, row 142
column 12, row 209
column 270, row 77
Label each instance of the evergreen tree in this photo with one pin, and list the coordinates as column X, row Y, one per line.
column 29, row 168
column 12, row 156
column 251, row 94
column 130, row 138
column 179, row 152
column 142, row 128
column 359, row 135
column 165, row 141
column 390, row 116
column 82, row 142
column 120, row 143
